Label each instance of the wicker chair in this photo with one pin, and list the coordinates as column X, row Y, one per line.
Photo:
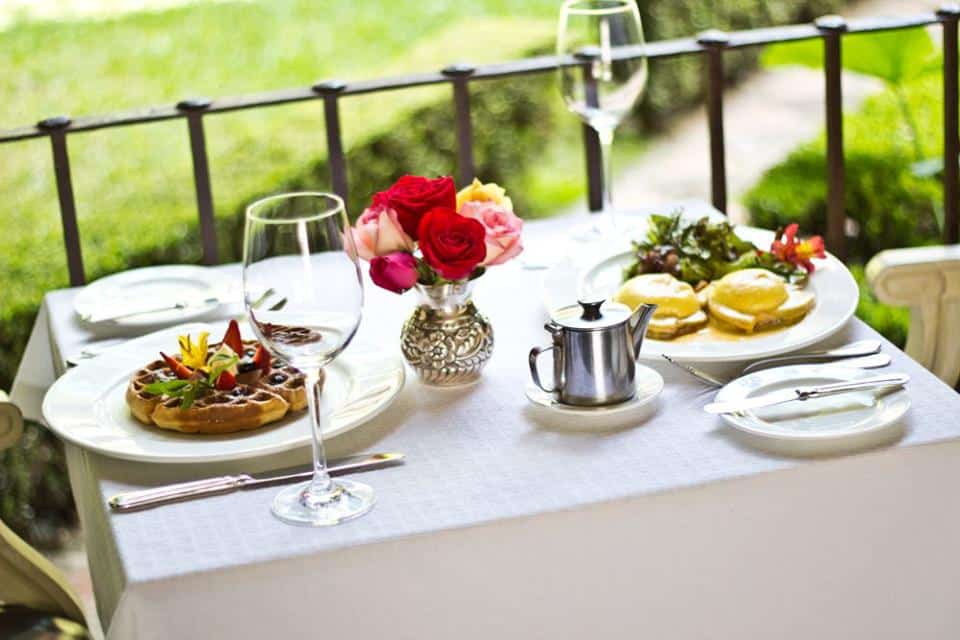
column 35, row 600
column 927, row 281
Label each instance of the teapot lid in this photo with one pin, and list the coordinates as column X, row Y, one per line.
column 593, row 314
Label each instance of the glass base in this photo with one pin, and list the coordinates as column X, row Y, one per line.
column 348, row 500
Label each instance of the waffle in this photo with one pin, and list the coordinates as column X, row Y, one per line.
column 258, row 399
column 242, row 408
column 288, row 383
column 141, row 403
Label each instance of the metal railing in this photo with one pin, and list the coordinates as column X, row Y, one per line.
column 710, row 44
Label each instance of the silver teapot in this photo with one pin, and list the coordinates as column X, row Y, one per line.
column 595, row 349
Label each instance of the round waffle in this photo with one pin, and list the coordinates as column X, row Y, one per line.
column 239, row 409
column 259, row 398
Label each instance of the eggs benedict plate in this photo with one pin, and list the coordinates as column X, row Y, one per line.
column 744, row 315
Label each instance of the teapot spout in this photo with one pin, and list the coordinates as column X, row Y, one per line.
column 638, row 325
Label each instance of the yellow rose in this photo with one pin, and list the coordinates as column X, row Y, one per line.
column 479, row 192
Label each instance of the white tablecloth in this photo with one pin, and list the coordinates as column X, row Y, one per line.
column 498, row 527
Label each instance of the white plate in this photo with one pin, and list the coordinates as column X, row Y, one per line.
column 547, row 410
column 820, row 425
column 154, row 287
column 836, row 300
column 87, row 407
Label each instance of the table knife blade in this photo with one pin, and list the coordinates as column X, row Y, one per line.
column 145, row 498
column 805, row 393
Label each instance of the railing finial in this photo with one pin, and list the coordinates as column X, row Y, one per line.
column 831, row 23
column 327, row 87
column 949, row 11
column 458, row 70
column 713, row 38
column 54, row 123
column 194, row 104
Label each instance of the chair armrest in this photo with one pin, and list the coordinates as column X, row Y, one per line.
column 11, row 422
column 927, row 281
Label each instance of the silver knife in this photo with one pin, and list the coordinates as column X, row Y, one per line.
column 806, row 393
column 182, row 304
column 134, row 500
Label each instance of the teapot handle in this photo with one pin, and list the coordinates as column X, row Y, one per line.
column 534, row 355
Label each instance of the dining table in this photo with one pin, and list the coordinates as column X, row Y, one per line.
column 500, row 525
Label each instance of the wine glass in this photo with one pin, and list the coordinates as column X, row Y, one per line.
column 303, row 293
column 606, row 79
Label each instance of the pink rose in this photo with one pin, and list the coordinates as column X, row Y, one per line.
column 396, row 272
column 503, row 230
column 378, row 233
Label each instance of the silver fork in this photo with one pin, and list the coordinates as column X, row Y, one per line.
column 872, row 361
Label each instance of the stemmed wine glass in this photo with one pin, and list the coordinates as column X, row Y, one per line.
column 303, row 293
column 608, row 77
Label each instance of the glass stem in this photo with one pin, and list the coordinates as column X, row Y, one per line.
column 606, row 149
column 321, row 484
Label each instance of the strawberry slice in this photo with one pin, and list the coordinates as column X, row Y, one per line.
column 261, row 359
column 181, row 370
column 232, row 338
column 226, row 381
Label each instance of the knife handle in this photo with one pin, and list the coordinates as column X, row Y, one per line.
column 889, row 380
column 175, row 492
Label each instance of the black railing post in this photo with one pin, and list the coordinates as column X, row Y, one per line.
column 194, row 108
column 56, row 127
column 714, row 42
column 949, row 15
column 460, row 74
column 832, row 28
column 593, row 152
column 330, row 90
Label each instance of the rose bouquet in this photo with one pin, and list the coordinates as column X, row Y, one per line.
column 422, row 230
column 422, row 233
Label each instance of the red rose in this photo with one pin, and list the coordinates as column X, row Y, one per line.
column 452, row 244
column 413, row 196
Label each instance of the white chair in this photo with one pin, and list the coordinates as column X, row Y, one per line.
column 35, row 599
column 927, row 281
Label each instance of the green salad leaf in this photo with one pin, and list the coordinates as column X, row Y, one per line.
column 701, row 251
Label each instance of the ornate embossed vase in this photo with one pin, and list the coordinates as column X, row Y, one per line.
column 446, row 340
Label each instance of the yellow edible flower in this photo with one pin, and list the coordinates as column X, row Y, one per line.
column 194, row 355
column 490, row 192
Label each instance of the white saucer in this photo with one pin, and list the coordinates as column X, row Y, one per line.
column 835, row 424
column 546, row 410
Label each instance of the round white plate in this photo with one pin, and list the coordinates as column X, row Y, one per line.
column 836, row 300
column 547, row 410
column 820, row 425
column 153, row 287
column 87, row 407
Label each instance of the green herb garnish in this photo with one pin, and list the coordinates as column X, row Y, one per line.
column 189, row 390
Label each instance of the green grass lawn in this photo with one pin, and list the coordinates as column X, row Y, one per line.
column 134, row 185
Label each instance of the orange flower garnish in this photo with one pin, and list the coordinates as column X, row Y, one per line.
column 787, row 248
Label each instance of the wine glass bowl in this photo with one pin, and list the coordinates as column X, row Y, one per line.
column 603, row 71
column 303, row 293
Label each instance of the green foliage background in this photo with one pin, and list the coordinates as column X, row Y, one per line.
column 134, row 187
column 893, row 145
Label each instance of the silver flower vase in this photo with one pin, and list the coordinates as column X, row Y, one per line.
column 446, row 340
